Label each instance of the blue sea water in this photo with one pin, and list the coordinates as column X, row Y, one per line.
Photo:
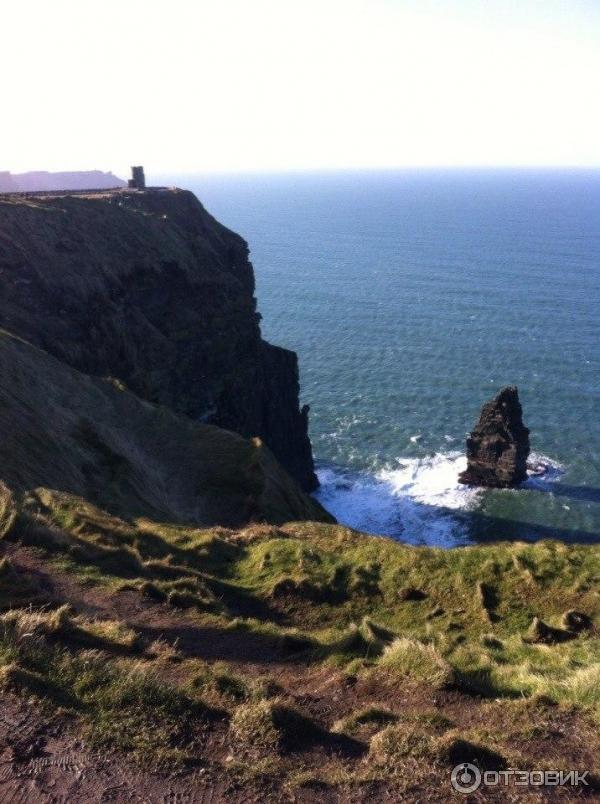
column 411, row 297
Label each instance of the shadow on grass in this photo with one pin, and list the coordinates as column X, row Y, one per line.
column 237, row 644
column 479, row 682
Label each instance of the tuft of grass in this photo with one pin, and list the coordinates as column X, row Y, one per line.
column 109, row 633
column 416, row 661
column 393, row 744
column 453, row 749
column 253, row 725
column 61, row 619
column 163, row 651
column 181, row 599
column 15, row 678
column 368, row 716
column 265, row 687
column 271, row 726
column 435, row 720
column 8, row 510
column 6, row 569
column 152, row 591
column 220, row 680
column 19, row 625
column 376, row 635
column 367, row 640
column 581, row 686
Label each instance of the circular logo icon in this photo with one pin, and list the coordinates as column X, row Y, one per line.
column 465, row 777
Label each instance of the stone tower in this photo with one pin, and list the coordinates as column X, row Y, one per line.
column 137, row 180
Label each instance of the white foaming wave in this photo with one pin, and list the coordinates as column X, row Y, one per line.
column 431, row 481
column 415, row 500
column 542, row 471
column 419, row 500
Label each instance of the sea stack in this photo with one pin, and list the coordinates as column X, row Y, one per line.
column 498, row 447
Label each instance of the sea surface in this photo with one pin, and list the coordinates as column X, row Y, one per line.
column 411, row 297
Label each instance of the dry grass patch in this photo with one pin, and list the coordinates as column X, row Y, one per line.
column 394, row 743
column 253, row 726
column 371, row 716
column 111, row 633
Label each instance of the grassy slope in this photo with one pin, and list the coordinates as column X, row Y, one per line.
column 300, row 606
column 78, row 434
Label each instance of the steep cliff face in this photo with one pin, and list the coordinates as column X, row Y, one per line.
column 81, row 436
column 147, row 287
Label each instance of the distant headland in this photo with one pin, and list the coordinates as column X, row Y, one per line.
column 43, row 180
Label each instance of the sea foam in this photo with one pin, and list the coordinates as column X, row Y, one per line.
column 417, row 500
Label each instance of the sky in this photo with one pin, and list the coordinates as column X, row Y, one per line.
column 189, row 86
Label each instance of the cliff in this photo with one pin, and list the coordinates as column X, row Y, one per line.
column 78, row 436
column 148, row 288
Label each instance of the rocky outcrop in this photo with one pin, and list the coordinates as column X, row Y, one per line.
column 498, row 447
column 146, row 287
column 66, row 433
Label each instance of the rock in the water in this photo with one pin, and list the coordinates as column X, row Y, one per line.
column 498, row 447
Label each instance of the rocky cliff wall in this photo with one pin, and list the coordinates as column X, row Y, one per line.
column 148, row 288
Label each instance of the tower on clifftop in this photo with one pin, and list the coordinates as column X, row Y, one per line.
column 137, row 180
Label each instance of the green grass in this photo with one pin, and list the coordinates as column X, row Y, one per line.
column 122, row 703
column 370, row 606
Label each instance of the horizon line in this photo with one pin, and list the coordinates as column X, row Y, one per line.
column 163, row 172
column 364, row 169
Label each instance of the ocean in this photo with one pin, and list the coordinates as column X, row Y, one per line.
column 412, row 297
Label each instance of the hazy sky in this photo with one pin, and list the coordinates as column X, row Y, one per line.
column 193, row 85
